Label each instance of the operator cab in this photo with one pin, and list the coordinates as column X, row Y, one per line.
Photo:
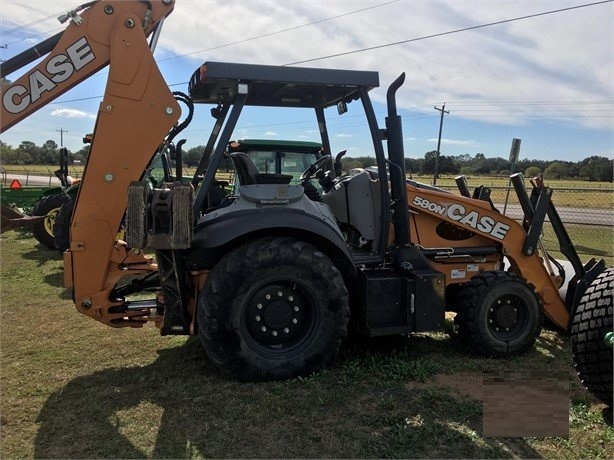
column 361, row 216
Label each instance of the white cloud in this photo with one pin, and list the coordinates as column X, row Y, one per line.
column 270, row 134
column 344, row 135
column 454, row 142
column 71, row 113
column 518, row 73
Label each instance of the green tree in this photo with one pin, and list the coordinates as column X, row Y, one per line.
column 557, row 170
column 350, row 163
column 413, row 165
column 28, row 149
column 532, row 171
column 428, row 165
column 50, row 155
column 595, row 168
column 192, row 156
column 82, row 154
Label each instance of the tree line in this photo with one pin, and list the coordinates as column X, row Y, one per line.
column 593, row 168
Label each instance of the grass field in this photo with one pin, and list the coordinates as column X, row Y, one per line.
column 73, row 388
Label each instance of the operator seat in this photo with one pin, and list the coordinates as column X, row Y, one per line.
column 248, row 173
column 245, row 168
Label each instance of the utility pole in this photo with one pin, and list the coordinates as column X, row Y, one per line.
column 62, row 131
column 442, row 110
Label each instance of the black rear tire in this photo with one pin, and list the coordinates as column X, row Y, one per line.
column 61, row 228
column 591, row 321
column 48, row 206
column 274, row 308
column 499, row 313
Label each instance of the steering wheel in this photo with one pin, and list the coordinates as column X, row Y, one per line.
column 315, row 168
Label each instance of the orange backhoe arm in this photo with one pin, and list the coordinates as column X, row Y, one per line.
column 136, row 113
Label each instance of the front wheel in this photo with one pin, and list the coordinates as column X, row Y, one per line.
column 499, row 313
column 591, row 322
column 275, row 308
column 48, row 206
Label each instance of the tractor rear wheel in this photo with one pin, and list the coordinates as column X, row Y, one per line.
column 274, row 308
column 499, row 313
column 61, row 228
column 591, row 322
column 48, row 206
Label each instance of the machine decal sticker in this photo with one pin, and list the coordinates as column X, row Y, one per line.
column 458, row 213
column 59, row 68
column 456, row 274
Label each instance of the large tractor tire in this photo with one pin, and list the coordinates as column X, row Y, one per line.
column 274, row 308
column 61, row 228
column 48, row 206
column 499, row 313
column 591, row 322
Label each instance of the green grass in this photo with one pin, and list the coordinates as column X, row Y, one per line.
column 589, row 241
column 73, row 388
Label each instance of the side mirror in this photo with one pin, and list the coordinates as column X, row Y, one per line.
column 342, row 107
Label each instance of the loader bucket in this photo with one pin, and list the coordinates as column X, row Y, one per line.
column 12, row 219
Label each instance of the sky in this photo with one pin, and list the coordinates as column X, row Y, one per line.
column 547, row 79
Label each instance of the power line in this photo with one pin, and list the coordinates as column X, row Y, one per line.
column 319, row 21
column 408, row 41
column 30, row 24
column 441, row 34
column 29, row 37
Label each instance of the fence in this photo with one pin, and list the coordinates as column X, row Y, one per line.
column 37, row 175
column 588, row 212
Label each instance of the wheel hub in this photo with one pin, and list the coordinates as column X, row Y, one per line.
column 277, row 314
column 504, row 314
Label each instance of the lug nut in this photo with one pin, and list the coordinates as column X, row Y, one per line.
column 294, row 320
column 268, row 296
column 259, row 306
column 258, row 318
column 274, row 333
column 286, row 330
column 290, row 298
column 296, row 308
column 279, row 293
column 263, row 329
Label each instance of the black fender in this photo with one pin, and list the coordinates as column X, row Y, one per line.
column 212, row 239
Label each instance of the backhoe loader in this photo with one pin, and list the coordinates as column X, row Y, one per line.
column 272, row 275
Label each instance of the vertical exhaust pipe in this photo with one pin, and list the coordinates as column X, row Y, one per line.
column 396, row 155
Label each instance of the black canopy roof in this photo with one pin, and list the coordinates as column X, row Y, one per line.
column 277, row 86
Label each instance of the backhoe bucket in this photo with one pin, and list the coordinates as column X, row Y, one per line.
column 12, row 219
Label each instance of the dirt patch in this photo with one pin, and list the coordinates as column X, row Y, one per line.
column 520, row 406
column 463, row 384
